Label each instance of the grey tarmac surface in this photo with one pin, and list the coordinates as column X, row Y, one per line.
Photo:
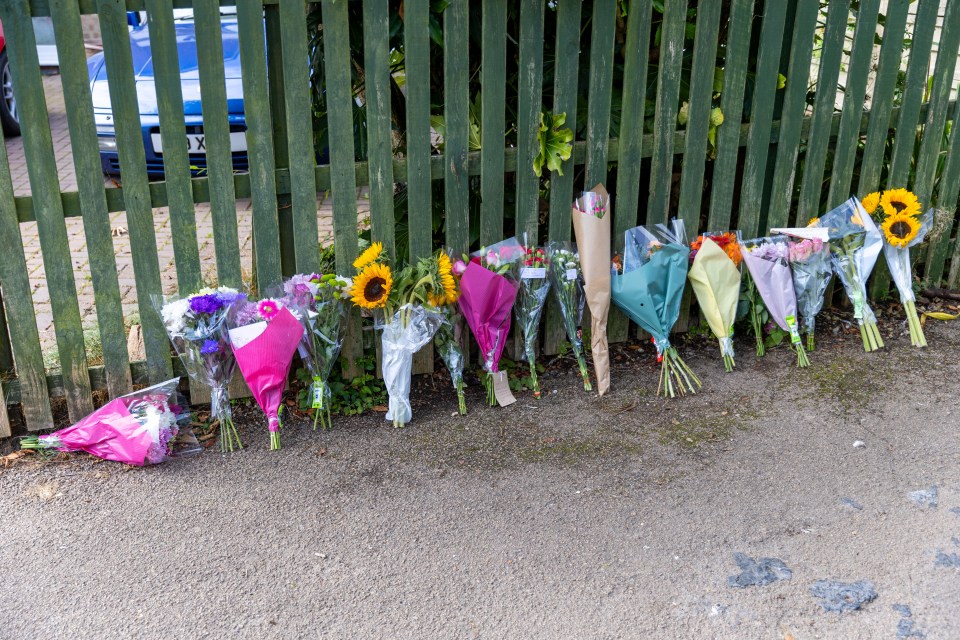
column 571, row 517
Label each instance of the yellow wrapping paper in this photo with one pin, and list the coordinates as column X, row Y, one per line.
column 716, row 282
column 593, row 244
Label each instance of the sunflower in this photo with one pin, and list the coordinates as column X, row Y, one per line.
column 899, row 202
column 446, row 291
column 871, row 202
column 900, row 229
column 369, row 256
column 372, row 286
column 813, row 222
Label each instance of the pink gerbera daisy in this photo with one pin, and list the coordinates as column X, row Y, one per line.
column 268, row 308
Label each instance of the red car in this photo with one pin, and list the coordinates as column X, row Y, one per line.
column 8, row 103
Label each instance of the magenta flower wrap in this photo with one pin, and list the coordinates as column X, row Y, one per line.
column 265, row 363
column 486, row 300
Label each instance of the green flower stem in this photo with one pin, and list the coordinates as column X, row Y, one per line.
column 802, row 360
column 810, row 343
column 274, row 441
column 461, row 400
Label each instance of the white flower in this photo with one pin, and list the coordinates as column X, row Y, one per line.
column 347, row 284
column 174, row 315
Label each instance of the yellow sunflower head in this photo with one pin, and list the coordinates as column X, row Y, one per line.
column 372, row 286
column 371, row 255
column 813, row 222
column 871, row 202
column 445, row 290
column 900, row 229
column 899, row 202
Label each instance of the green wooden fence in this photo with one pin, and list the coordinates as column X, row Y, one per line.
column 768, row 132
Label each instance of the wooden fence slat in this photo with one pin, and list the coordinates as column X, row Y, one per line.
column 947, row 193
column 599, row 92
column 136, row 191
column 216, row 130
column 456, row 70
column 376, row 58
column 665, row 119
column 816, row 155
column 935, row 122
column 858, row 72
column 565, row 76
column 416, row 36
column 336, row 50
column 18, row 303
column 914, row 88
column 528, row 114
column 276, row 88
column 493, row 119
column 173, row 135
column 96, row 221
column 731, row 103
column 636, row 55
column 761, row 119
column 698, row 120
column 884, row 87
column 256, row 98
column 299, row 120
column 51, row 226
column 794, row 104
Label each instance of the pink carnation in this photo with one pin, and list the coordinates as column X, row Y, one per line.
column 459, row 267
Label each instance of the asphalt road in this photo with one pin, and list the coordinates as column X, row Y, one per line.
column 574, row 517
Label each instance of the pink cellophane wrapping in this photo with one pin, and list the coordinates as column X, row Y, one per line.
column 110, row 432
column 486, row 300
column 265, row 362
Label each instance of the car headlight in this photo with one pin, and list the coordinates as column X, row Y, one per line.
column 107, row 143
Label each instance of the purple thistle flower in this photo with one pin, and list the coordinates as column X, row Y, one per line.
column 209, row 346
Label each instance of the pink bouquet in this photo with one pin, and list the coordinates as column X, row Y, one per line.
column 138, row 428
column 264, row 336
column 486, row 299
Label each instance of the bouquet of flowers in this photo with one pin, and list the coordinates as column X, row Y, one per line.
column 810, row 265
column 768, row 261
column 139, row 428
column 897, row 211
column 855, row 244
column 317, row 301
column 449, row 338
column 404, row 315
column 264, row 336
column 531, row 298
column 649, row 289
column 487, row 294
column 715, row 276
column 196, row 325
column 567, row 281
column 591, row 224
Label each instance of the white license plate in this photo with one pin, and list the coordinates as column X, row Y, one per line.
column 197, row 143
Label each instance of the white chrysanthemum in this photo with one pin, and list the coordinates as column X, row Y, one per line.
column 174, row 314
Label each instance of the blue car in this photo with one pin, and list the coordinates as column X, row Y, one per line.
column 190, row 82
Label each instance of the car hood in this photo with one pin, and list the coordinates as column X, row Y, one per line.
column 189, row 74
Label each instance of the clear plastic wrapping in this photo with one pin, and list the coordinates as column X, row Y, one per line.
column 316, row 302
column 531, row 298
column 448, row 340
column 566, row 279
column 410, row 328
column 898, row 259
column 145, row 427
column 196, row 325
column 811, row 268
column 855, row 244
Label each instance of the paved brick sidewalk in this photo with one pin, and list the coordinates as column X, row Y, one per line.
column 78, row 244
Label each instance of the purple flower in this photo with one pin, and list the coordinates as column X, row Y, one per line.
column 209, row 303
column 209, row 346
